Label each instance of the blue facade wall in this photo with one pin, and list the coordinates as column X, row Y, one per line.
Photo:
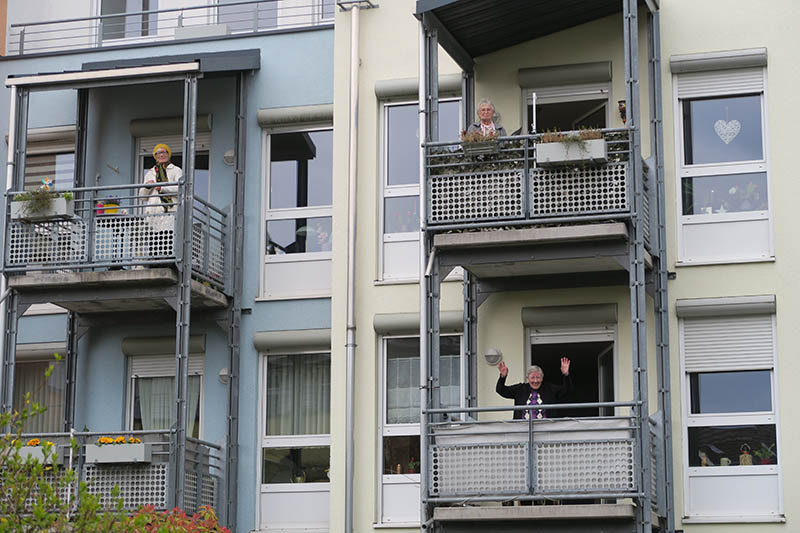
column 296, row 69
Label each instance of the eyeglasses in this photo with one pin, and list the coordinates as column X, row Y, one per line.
column 160, row 152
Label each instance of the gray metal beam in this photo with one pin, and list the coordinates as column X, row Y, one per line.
column 471, row 338
column 517, row 254
column 184, row 263
column 570, row 280
column 71, row 360
column 637, row 261
column 235, row 310
column 468, row 98
column 10, row 340
column 450, row 43
column 21, row 139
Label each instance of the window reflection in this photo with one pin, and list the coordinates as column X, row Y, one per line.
column 401, row 454
column 727, row 193
column 732, row 445
column 718, row 130
column 731, row 392
column 403, row 142
column 299, row 235
column 60, row 168
column 296, row 465
column 401, row 214
column 301, row 169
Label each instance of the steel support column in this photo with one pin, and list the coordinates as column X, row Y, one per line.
column 468, row 97
column 429, row 131
column 471, row 337
column 235, row 309
column 71, row 360
column 10, row 349
column 183, row 314
column 81, row 135
column 661, row 296
column 637, row 264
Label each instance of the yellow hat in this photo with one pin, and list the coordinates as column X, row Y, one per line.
column 164, row 146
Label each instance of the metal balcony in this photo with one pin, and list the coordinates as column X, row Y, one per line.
column 143, row 482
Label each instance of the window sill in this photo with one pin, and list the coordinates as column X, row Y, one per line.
column 315, row 296
column 689, row 263
column 398, row 525
column 733, row 519
column 413, row 281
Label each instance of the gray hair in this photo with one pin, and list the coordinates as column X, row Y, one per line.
column 534, row 368
column 487, row 101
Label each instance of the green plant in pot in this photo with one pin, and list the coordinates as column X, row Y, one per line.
column 766, row 454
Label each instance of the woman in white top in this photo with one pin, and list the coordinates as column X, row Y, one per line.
column 161, row 201
column 486, row 125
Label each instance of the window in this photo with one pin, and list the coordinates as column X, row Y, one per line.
column 567, row 108
column 152, row 393
column 400, row 420
column 731, row 430
column 724, row 187
column 295, row 446
column 29, row 377
column 298, row 226
column 126, row 26
column 400, row 209
column 56, row 166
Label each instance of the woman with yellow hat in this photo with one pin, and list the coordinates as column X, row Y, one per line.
column 161, row 200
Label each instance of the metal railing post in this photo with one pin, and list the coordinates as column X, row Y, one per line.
column 22, row 41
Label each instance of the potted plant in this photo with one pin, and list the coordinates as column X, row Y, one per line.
column 42, row 204
column 475, row 143
column 119, row 449
column 37, row 449
column 558, row 148
column 766, row 454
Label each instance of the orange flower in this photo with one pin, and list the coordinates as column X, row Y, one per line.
column 33, row 442
column 119, row 440
column 134, row 440
column 105, row 440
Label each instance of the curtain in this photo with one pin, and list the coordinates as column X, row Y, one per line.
column 298, row 394
column 193, row 406
column 157, row 403
column 30, row 378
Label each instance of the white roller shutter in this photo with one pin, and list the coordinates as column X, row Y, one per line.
column 729, row 343
column 720, row 82
column 145, row 366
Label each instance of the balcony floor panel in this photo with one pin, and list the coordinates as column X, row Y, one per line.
column 574, row 249
column 112, row 291
column 610, row 518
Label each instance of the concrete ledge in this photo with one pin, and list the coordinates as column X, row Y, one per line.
column 532, row 236
column 616, row 511
column 66, row 280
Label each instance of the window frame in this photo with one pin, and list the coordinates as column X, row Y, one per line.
column 399, row 430
column 286, row 441
column 400, row 191
column 293, row 213
column 196, row 362
column 562, row 94
column 723, row 168
column 152, row 32
column 705, row 420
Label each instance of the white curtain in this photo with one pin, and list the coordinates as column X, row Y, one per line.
column 30, row 378
column 298, row 394
column 157, row 403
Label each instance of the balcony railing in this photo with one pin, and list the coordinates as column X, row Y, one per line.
column 506, row 182
column 535, row 459
column 144, row 482
column 114, row 227
column 200, row 21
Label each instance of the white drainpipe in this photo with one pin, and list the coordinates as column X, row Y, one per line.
column 351, row 270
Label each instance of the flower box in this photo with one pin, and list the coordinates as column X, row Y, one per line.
column 37, row 452
column 480, row 148
column 59, row 208
column 139, row 452
column 560, row 153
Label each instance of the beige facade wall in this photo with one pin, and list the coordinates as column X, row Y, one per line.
column 389, row 50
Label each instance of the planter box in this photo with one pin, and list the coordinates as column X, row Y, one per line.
column 37, row 453
column 559, row 153
column 118, row 453
column 482, row 148
column 59, row 208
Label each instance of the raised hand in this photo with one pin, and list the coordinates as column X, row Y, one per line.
column 565, row 366
column 503, row 369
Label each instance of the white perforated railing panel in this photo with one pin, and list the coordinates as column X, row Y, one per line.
column 120, row 238
column 597, row 466
column 138, row 484
column 479, row 469
column 483, row 196
column 578, row 190
column 52, row 242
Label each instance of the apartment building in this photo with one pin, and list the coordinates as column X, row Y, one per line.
column 164, row 304
column 316, row 347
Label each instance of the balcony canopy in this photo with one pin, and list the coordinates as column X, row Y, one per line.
column 141, row 70
column 471, row 28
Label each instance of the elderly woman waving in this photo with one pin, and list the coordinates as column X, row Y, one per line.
column 486, row 125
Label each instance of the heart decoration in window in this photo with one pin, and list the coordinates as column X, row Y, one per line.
column 727, row 131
